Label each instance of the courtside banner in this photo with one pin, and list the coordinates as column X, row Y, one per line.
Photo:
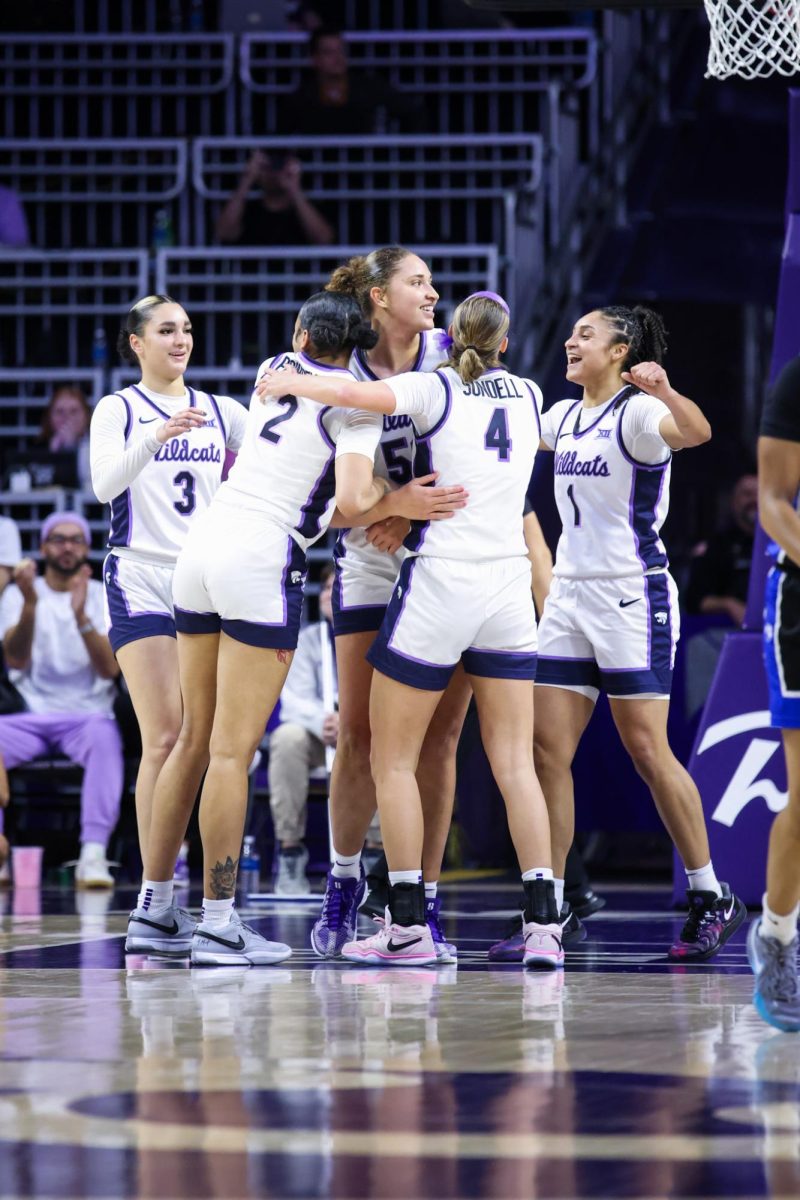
column 737, row 763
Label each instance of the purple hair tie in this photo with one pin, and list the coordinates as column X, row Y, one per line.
column 491, row 296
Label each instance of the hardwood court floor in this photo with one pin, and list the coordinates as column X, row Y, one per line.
column 621, row 1076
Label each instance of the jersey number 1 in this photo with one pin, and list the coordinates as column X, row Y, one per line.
column 496, row 436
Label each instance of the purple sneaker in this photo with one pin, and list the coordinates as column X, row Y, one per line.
column 337, row 921
column 711, row 921
column 446, row 952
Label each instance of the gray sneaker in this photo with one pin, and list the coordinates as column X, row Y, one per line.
column 234, row 944
column 166, row 932
column 777, row 994
column 290, row 874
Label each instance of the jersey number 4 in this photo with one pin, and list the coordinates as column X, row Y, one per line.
column 496, row 436
column 268, row 432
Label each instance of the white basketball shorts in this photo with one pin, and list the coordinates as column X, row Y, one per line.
column 616, row 635
column 444, row 611
column 138, row 600
column 363, row 584
column 241, row 574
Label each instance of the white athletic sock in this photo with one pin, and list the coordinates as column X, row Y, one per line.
column 431, row 890
column 216, row 912
column 704, row 879
column 559, row 892
column 346, row 866
column 92, row 850
column 537, row 873
column 155, row 895
column 774, row 925
column 396, row 877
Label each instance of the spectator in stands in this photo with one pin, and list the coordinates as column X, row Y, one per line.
column 334, row 99
column 298, row 744
column 62, row 664
column 61, row 455
column 281, row 216
column 720, row 572
column 14, row 233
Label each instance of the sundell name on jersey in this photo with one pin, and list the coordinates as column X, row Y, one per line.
column 179, row 450
column 567, row 463
column 496, row 389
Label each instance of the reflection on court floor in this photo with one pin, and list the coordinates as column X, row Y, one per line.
column 622, row 1076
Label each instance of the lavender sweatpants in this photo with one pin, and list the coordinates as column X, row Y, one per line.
column 90, row 739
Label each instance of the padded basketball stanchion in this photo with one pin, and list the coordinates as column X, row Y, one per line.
column 736, row 762
column 329, row 706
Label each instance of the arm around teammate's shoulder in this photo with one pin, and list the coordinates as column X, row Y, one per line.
column 686, row 424
column 335, row 391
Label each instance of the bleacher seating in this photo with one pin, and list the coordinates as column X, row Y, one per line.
column 240, row 314
column 97, row 191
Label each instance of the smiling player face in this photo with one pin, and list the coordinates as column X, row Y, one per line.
column 591, row 350
column 165, row 347
column 410, row 298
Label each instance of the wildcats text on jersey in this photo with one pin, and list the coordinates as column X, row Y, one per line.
column 395, row 422
column 179, row 450
column 567, row 463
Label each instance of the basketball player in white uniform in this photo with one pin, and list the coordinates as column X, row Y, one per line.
column 611, row 619
column 394, row 287
column 157, row 449
column 463, row 596
column 238, row 592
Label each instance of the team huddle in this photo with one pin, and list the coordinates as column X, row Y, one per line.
column 419, row 446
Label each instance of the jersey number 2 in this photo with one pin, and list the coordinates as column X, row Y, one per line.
column 290, row 403
column 496, row 437
column 188, row 501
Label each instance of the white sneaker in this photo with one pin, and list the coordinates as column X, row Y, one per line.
column 543, row 949
column 290, row 877
column 234, row 944
column 394, row 945
column 92, row 871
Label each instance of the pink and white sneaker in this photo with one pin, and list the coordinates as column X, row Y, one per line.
column 543, row 950
column 394, row 945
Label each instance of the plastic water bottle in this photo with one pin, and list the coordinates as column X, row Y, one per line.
column 250, row 866
column 100, row 348
column 162, row 230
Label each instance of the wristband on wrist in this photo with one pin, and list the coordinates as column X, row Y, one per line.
column 87, row 627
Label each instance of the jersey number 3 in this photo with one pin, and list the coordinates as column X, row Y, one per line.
column 188, row 501
column 268, row 432
column 496, row 436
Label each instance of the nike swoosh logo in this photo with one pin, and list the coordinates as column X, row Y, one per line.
column 626, row 603
column 211, row 937
column 393, row 947
column 727, row 916
column 173, row 928
column 147, row 420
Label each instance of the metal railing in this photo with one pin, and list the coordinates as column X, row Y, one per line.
column 386, row 189
column 474, row 81
column 243, row 302
column 117, row 85
column 55, row 307
column 101, row 192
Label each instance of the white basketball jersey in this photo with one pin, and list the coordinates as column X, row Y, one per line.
column 395, row 457
column 483, row 435
column 611, row 503
column 286, row 467
column 151, row 517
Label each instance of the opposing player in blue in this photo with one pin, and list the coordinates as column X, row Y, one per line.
column 157, row 449
column 238, row 593
column 611, row 619
column 463, row 596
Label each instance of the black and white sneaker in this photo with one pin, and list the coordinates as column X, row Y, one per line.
column 167, row 931
column 234, row 944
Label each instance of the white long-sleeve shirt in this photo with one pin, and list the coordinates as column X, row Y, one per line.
column 155, row 490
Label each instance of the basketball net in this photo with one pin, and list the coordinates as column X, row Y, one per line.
column 753, row 38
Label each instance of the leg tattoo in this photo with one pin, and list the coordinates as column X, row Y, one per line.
column 223, row 878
